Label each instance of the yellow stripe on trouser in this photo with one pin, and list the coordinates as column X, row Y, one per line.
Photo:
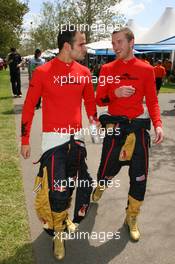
column 42, row 204
column 128, row 148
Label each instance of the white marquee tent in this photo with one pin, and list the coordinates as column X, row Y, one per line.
column 137, row 30
column 102, row 44
column 163, row 29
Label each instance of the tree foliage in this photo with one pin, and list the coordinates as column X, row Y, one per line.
column 11, row 19
column 97, row 14
column 92, row 15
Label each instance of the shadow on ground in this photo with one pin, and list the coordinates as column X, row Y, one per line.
column 5, row 97
column 172, row 101
column 79, row 250
column 15, row 111
column 167, row 157
column 168, row 112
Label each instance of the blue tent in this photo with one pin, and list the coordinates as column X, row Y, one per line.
column 104, row 52
column 164, row 45
column 169, row 41
column 154, row 47
column 108, row 52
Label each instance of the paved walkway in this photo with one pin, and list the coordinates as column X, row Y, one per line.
column 157, row 219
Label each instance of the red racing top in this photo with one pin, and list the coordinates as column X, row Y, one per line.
column 62, row 87
column 159, row 71
column 134, row 73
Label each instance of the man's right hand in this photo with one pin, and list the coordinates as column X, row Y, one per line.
column 25, row 151
column 124, row 91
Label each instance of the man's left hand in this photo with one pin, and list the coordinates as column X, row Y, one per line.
column 159, row 135
column 96, row 122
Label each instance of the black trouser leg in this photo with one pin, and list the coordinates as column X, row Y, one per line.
column 18, row 84
column 83, row 193
column 109, row 164
column 14, row 85
column 138, row 165
column 138, row 170
column 78, row 174
column 58, row 183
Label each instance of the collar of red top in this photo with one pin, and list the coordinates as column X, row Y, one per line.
column 127, row 62
column 66, row 64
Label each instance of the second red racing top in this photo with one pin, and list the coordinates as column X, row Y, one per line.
column 130, row 73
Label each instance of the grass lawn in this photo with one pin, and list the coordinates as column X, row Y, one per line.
column 167, row 88
column 15, row 247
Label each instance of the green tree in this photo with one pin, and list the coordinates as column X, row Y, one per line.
column 97, row 16
column 45, row 34
column 90, row 15
column 11, row 19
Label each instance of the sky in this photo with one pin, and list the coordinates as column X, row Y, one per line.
column 144, row 12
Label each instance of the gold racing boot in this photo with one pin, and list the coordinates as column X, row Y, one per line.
column 97, row 193
column 132, row 212
column 58, row 241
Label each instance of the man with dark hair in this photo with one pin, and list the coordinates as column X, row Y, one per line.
column 124, row 98
column 66, row 35
column 62, row 89
column 14, row 60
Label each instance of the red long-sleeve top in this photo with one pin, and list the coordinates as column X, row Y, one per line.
column 159, row 71
column 137, row 74
column 62, row 87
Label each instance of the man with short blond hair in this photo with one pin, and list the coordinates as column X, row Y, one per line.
column 124, row 99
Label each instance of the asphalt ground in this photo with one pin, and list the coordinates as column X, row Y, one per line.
column 105, row 219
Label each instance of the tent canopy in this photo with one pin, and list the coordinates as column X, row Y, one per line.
column 103, row 47
column 164, row 28
column 100, row 45
column 169, row 41
column 155, row 47
column 137, row 30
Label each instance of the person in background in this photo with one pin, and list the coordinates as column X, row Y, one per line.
column 32, row 65
column 160, row 73
column 144, row 58
column 5, row 64
column 168, row 65
column 1, row 64
column 15, row 62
